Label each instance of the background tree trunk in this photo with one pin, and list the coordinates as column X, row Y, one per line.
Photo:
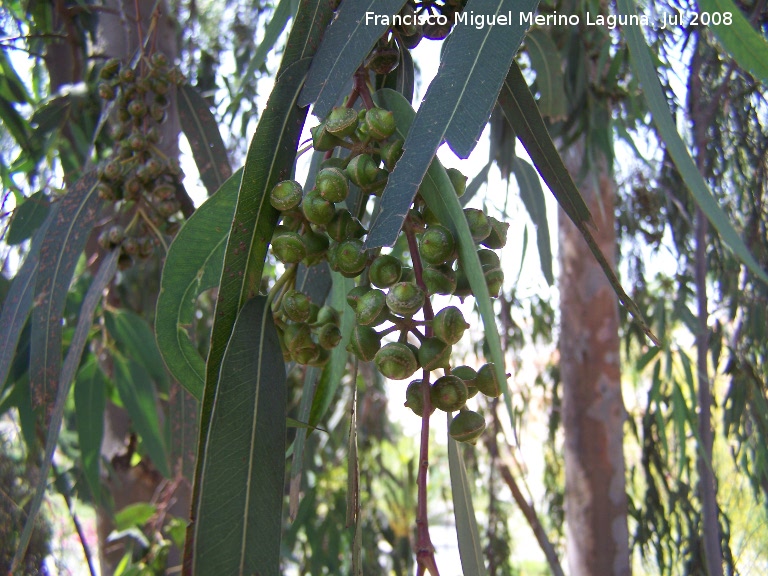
column 593, row 410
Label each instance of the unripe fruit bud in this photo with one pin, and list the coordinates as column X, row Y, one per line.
column 391, row 153
column 322, row 140
column 371, row 309
column 327, row 315
column 364, row 343
column 487, row 381
column 306, row 355
column 354, row 295
column 396, row 361
column 494, row 279
column 342, row 121
column 115, row 233
column 321, row 358
column 498, row 236
column 466, row 373
column 479, row 225
column 488, row 259
column 159, row 59
column 449, row 325
column 434, row 354
column 106, row 192
column 463, row 289
column 344, row 226
column 167, row 208
column 385, row 271
column 405, row 298
column 137, row 142
column 333, row 162
column 408, row 275
column 414, row 398
column 298, row 336
column 289, row 248
column 110, row 69
column 380, row 122
column 106, row 91
column 467, row 426
column 362, row 170
column 127, row 75
column 458, row 180
column 351, row 257
column 410, row 42
column 329, row 336
column 146, row 247
column 296, row 306
column 161, row 191
column 130, row 246
column 383, row 60
column 437, row 245
column 316, row 245
column 448, row 393
column 286, row 195
column 439, row 279
column 332, row 184
column 113, row 171
column 137, row 108
column 317, row 209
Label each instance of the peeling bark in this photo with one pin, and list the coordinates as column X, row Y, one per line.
column 593, row 410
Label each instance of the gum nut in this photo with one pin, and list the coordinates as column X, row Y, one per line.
column 396, row 361
column 458, row 180
column 467, row 426
column 351, row 257
column 296, row 305
column 487, row 382
column 286, row 195
column 329, row 336
column 488, row 258
column 322, row 140
column 332, row 184
column 362, row 170
column 479, row 225
column 342, row 121
column 414, row 398
column 466, row 373
column 439, row 279
column 449, row 325
column 380, row 122
column 297, row 335
column 370, row 306
column 354, row 295
column 448, row 393
column 498, row 237
column 385, row 271
column 436, row 245
column 405, row 298
column 434, row 354
column 364, row 342
column 317, row 209
column 289, row 248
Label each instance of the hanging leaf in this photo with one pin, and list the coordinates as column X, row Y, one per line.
column 474, row 186
column 640, row 58
column 470, row 547
column 202, row 131
column 546, row 61
column 192, row 266
column 532, row 196
column 27, row 218
column 239, row 511
column 277, row 22
column 348, row 41
column 297, row 464
column 135, row 341
column 64, row 241
column 183, row 412
column 90, row 403
column 456, row 107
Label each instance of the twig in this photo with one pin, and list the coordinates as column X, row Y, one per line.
column 64, row 488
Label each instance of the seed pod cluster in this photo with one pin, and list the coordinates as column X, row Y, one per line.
column 137, row 177
column 317, row 224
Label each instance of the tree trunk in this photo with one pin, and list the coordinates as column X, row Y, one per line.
column 593, row 410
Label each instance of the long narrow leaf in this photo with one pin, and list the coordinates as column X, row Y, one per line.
column 456, row 107
column 103, row 277
column 64, row 242
column 470, row 547
column 348, row 41
column 90, row 402
column 642, row 64
column 134, row 337
column 192, row 266
column 545, row 60
column 237, row 530
column 532, row 196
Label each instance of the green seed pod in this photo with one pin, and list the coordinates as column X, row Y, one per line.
column 327, row 315
column 371, row 308
column 498, row 237
column 405, row 298
column 437, row 245
column 286, row 195
column 167, row 208
column 329, row 336
column 154, row 167
column 158, row 59
column 466, row 373
column 292, row 219
column 137, row 108
column 449, row 325
column 448, row 393
column 408, row 275
column 321, row 359
column 104, row 241
column 439, row 279
column 342, row 121
column 463, row 289
column 332, row 184
column 333, row 162
column 137, row 142
column 362, row 170
column 383, row 60
column 488, row 258
column 322, row 140
column 314, row 310
column 306, row 355
column 146, row 247
column 160, row 86
column 113, row 171
column 296, row 305
column 106, row 192
column 494, row 279
column 479, row 225
column 410, row 42
column 344, row 226
column 380, row 122
column 434, row 354
column 130, row 246
column 161, row 191
column 127, row 76
column 288, row 247
column 414, row 398
column 487, row 381
column 115, row 233
column 317, row 246
column 110, row 69
column 378, row 184
column 391, row 153
column 467, row 426
column 354, row 295
column 429, row 217
column 396, row 361
column 351, row 257
column 364, row 342
column 317, row 209
column 106, row 91
column 297, row 336
column 458, row 180
column 385, row 271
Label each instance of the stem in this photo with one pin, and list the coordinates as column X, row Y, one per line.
column 425, row 551
column 361, row 87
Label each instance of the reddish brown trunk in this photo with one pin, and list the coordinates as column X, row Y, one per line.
column 593, row 410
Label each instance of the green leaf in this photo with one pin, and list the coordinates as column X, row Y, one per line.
column 192, row 266
column 532, row 196
column 64, row 241
column 183, row 414
column 55, row 412
column 474, row 187
column 202, row 131
column 640, row 58
column 297, row 464
column 440, row 196
column 136, row 341
column 239, row 512
column 90, row 402
column 346, row 44
column 470, row 547
column 140, row 401
column 277, row 22
column 134, row 515
column 745, row 44
column 27, row 218
column 545, row 60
